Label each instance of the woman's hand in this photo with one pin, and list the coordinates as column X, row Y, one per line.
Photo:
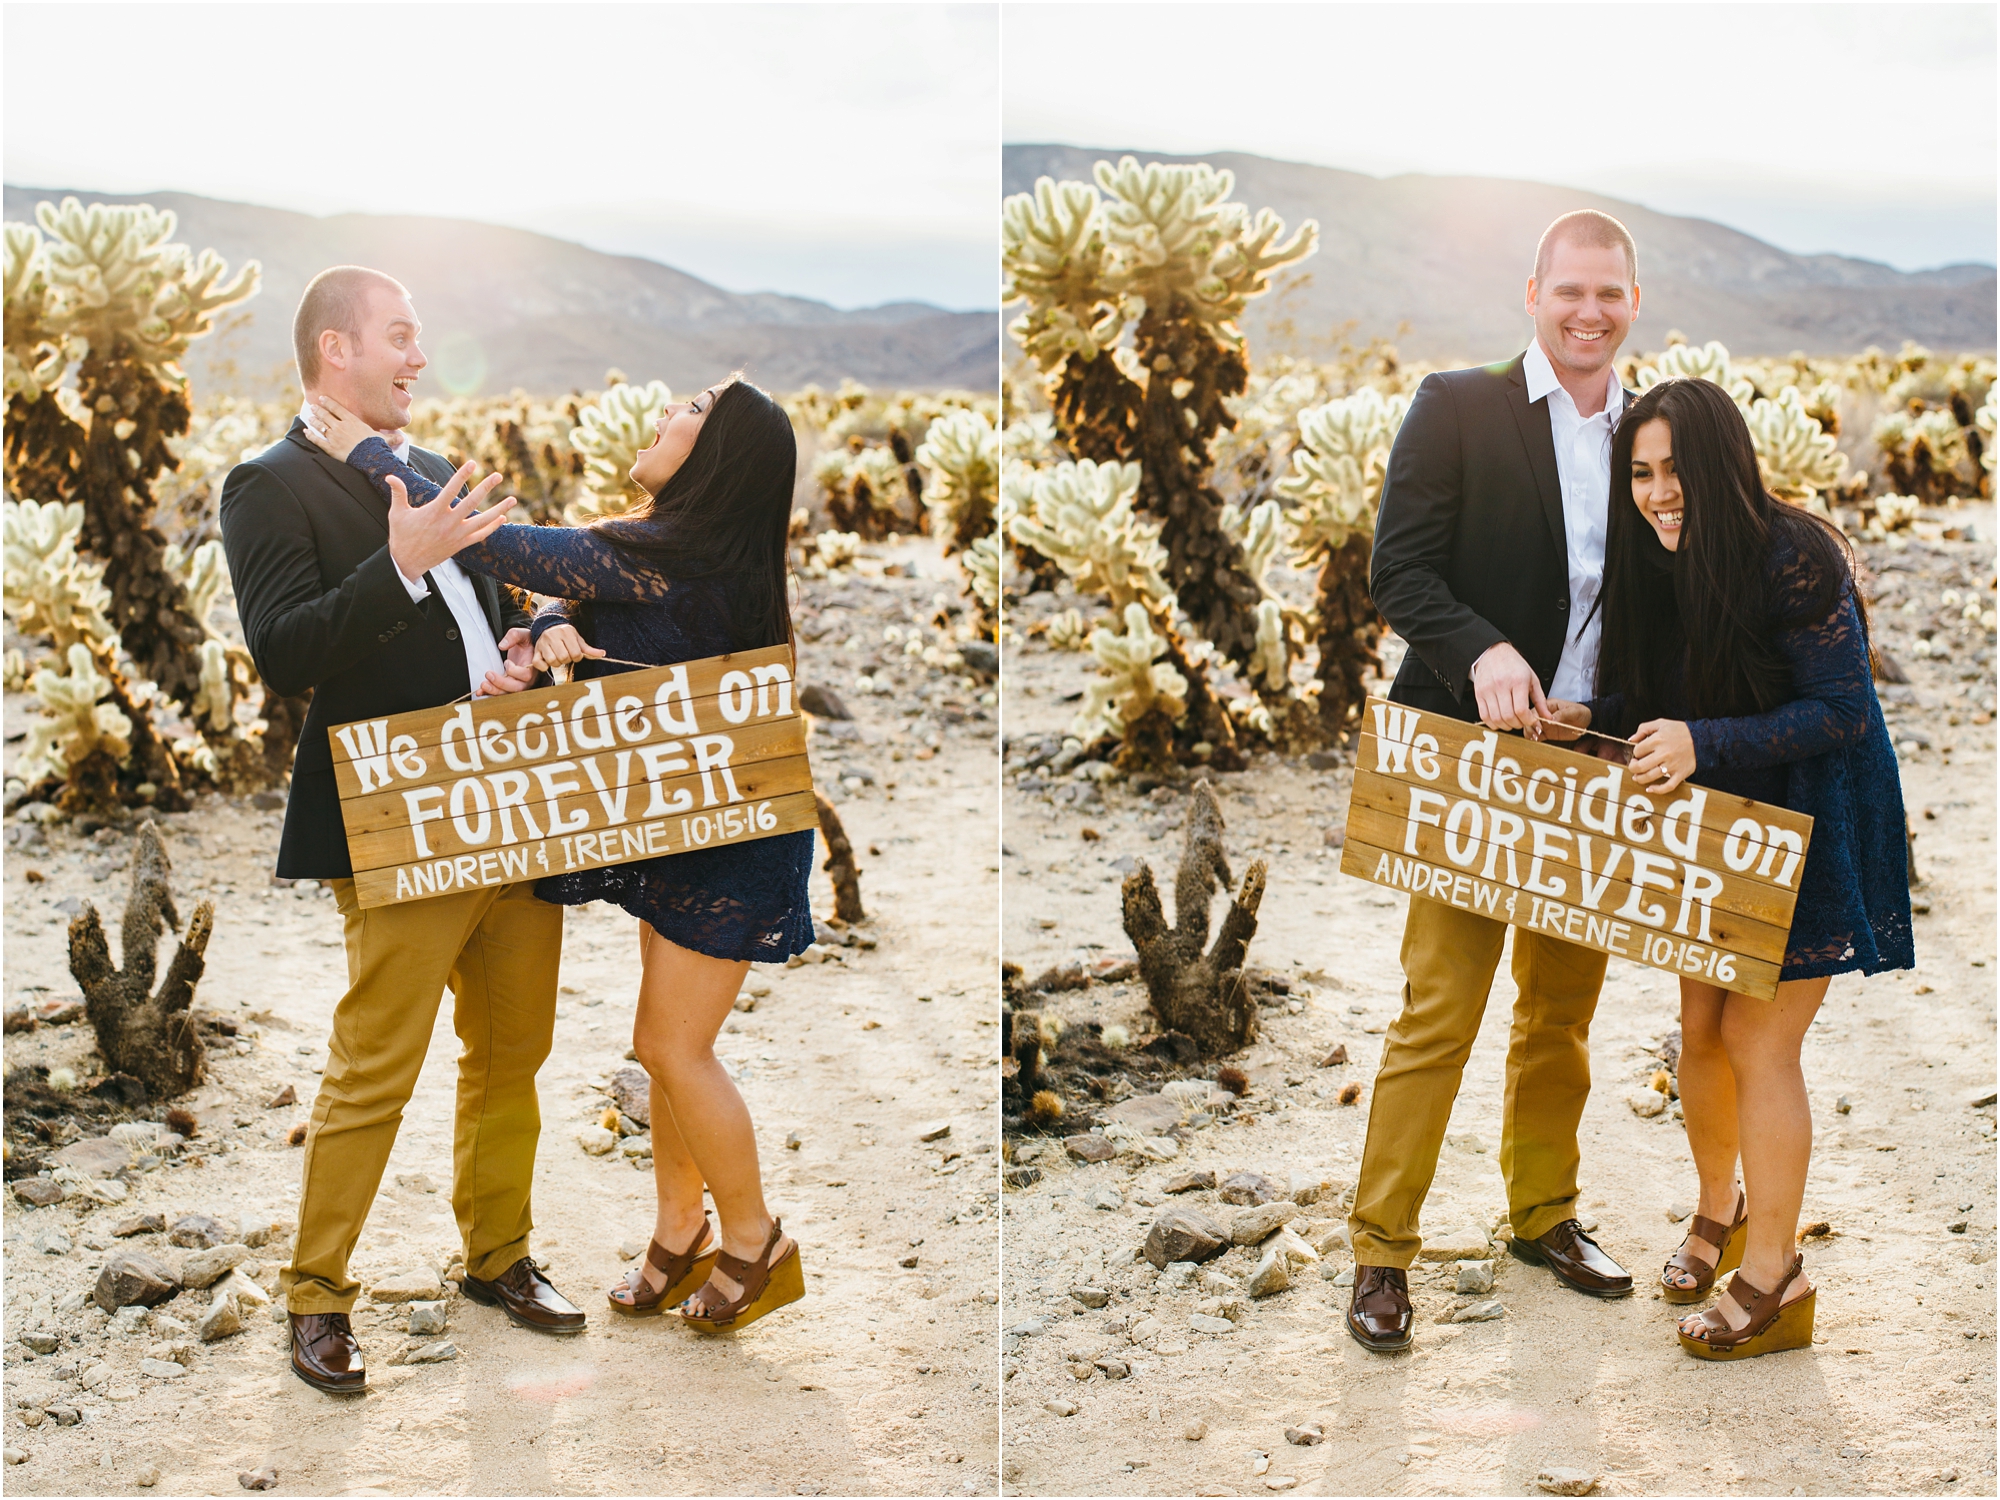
column 1662, row 754
column 1574, row 719
column 335, row 428
column 562, row 646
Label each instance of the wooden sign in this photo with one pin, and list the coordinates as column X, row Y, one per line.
column 495, row 790
column 1695, row 882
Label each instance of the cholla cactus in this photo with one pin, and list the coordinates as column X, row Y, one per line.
column 524, row 437
column 835, row 549
column 1259, row 534
column 1887, row 513
column 1710, row 362
column 1137, row 685
column 13, row 670
column 1067, row 632
column 1923, row 454
column 205, row 577
column 1270, row 668
column 981, row 562
column 609, row 433
column 864, row 488
column 1800, row 460
column 1080, row 517
column 75, row 725
column 1052, row 246
column 961, row 451
column 49, row 590
column 1335, row 486
column 36, row 354
column 221, row 434
column 1984, row 422
column 215, row 706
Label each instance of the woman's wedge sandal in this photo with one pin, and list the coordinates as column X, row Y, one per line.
column 1729, row 1238
column 1770, row 1323
column 765, row 1288
column 683, row 1272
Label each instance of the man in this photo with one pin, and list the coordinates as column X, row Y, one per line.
column 360, row 602
column 1489, row 552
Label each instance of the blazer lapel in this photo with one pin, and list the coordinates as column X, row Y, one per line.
column 1539, row 439
column 351, row 482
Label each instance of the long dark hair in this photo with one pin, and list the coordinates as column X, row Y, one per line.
column 726, row 512
column 1695, row 624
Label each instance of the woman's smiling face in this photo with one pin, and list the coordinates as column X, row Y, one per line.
column 673, row 440
column 1656, row 486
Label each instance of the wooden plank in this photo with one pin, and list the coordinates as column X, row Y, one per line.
column 1738, row 972
column 1384, row 804
column 583, row 812
column 774, row 739
column 532, row 861
column 1717, row 927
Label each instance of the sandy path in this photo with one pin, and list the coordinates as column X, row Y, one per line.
column 881, row 1382
column 1896, row 1395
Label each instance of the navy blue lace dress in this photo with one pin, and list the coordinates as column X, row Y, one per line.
column 736, row 901
column 1827, row 754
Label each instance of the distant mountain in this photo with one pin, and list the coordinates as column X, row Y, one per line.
column 504, row 307
column 1451, row 256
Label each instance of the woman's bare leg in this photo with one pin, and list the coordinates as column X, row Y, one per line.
column 1708, row 1106
column 703, row 1135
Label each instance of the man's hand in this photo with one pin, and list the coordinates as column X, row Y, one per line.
column 1508, row 692
column 1575, row 719
column 520, row 669
column 422, row 536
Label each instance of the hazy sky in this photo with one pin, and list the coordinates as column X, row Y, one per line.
column 1862, row 129
column 845, row 152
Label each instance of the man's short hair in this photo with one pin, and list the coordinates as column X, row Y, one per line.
column 1589, row 228
column 336, row 299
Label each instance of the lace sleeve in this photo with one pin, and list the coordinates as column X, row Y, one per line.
column 568, row 562
column 553, row 612
column 1833, row 694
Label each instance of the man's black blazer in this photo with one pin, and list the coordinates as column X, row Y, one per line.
column 1469, row 543
column 323, row 607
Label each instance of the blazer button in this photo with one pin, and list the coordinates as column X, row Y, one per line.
column 451, row 635
column 1562, row 604
column 382, row 639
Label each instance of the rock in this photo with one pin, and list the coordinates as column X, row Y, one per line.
column 1273, row 1274
column 432, row 1354
column 416, row 1182
column 426, row 1317
column 414, row 1284
column 97, row 1157
column 161, row 1369
column 1158, row 1147
column 1294, row 1249
column 1217, row 1284
column 1339, row 1278
column 822, row 702
column 1090, row 1146
column 132, row 1276
column 1555, row 1481
column 53, row 1242
column 1843, row 1105
column 937, row 1130
column 38, row 1192
column 1308, row 1436
column 147, row 1477
column 1252, row 1188
column 1336, row 1058
column 1061, row 1408
column 125, row 1228
column 1106, row 1198
column 1310, row 1187
column 224, row 1318
column 1466, row 1141
column 1184, row 1234
column 168, row 1325
column 1469, row 1243
column 259, row 1235
column 16, row 1455
column 1252, row 1226
column 1204, row 1323
column 284, row 1096
column 596, row 1140
column 65, row 1415
column 42, row 1341
column 1113, row 1367
column 631, row 1089
column 1280, row 1481
column 1678, row 1211
column 1194, row 1432
column 1326, row 1236
column 1144, row 1329
column 1474, row 1277
column 1189, row 1182
column 1090, row 1296
column 1647, row 1103
column 128, row 1320
column 1149, row 1114
column 198, row 1232
column 793, row 1140
column 265, row 1478
column 205, row 1267
column 1479, row 1312
column 1021, row 1177
column 1980, row 1097
column 1026, row 1328
column 1957, row 1226
column 241, row 1288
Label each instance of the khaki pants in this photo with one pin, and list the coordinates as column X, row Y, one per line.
column 499, row 949
column 1449, row 956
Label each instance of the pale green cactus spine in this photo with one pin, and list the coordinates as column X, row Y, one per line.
column 1335, row 486
column 1799, row 458
column 1079, row 516
column 981, row 562
column 1135, row 680
column 610, row 433
column 1270, row 666
column 50, row 591
column 961, row 451
column 1259, row 534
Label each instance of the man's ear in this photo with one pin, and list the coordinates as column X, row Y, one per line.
column 1528, row 301
column 333, row 348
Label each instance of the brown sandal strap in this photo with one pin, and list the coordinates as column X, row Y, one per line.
column 750, row 1275
column 1707, row 1229
column 1760, row 1308
column 660, row 1258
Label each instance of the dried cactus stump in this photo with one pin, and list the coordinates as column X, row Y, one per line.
column 150, row 1035
column 1201, row 995
column 840, row 865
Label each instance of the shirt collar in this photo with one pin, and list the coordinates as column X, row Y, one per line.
column 399, row 441
column 1541, row 377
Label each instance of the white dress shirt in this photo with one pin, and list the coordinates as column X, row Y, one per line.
column 482, row 652
column 1583, row 464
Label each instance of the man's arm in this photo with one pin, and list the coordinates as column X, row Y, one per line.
column 299, row 633
column 1422, row 496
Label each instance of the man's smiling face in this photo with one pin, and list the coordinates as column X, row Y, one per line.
column 372, row 376
column 1583, row 305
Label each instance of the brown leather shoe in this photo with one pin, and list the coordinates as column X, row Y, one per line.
column 1576, row 1259
column 1379, row 1315
column 525, row 1295
column 325, row 1355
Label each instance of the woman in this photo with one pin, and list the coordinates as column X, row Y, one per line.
column 1735, row 654
column 697, row 571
